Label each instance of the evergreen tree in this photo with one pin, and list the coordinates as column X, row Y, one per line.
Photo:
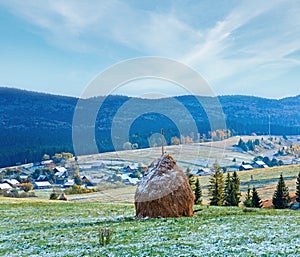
column 248, row 199
column 250, row 145
column 255, row 201
column 231, row 190
column 228, row 191
column 192, row 182
column 243, row 145
column 298, row 188
column 216, row 186
column 281, row 195
column 198, row 192
column 236, row 189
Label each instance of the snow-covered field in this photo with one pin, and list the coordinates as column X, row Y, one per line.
column 44, row 228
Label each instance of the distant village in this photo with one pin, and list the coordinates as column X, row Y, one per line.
column 66, row 172
column 63, row 171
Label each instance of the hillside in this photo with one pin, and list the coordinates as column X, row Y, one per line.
column 34, row 123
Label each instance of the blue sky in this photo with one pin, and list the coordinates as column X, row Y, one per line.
column 239, row 47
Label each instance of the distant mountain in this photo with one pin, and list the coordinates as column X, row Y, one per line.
column 32, row 124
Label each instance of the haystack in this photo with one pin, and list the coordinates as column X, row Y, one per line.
column 164, row 191
column 63, row 197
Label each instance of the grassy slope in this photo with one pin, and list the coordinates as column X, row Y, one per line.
column 265, row 180
column 195, row 155
column 43, row 228
column 187, row 155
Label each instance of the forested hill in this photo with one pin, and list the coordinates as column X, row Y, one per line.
column 32, row 124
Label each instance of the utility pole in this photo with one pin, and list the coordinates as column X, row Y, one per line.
column 269, row 126
column 162, row 142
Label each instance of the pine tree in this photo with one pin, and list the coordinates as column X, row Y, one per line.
column 216, row 186
column 248, row 199
column 198, row 192
column 298, row 188
column 192, row 182
column 281, row 195
column 255, row 201
column 228, row 191
column 231, row 190
column 236, row 189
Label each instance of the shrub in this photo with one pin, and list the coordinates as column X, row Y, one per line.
column 11, row 193
column 53, row 195
column 104, row 236
column 32, row 194
column 76, row 189
column 26, row 186
column 23, row 195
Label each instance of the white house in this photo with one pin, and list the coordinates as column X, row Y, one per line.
column 245, row 167
column 128, row 180
column 260, row 164
column 42, row 184
column 60, row 169
column 12, row 182
column 4, row 186
column 69, row 183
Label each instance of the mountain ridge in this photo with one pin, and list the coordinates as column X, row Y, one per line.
column 33, row 123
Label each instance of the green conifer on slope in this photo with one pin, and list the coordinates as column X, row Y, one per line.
column 231, row 190
column 298, row 188
column 216, row 186
column 198, row 192
column 248, row 198
column 236, row 189
column 228, row 191
column 281, row 197
column 255, row 201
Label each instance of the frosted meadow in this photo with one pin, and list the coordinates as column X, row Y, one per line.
column 40, row 228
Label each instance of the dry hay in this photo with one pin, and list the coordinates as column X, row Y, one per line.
column 63, row 197
column 164, row 191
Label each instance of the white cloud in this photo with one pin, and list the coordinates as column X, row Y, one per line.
column 86, row 26
column 229, row 51
column 253, row 38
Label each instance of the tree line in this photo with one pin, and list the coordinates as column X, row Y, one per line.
column 226, row 191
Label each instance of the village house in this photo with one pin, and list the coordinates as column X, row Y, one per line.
column 41, row 178
column 201, row 172
column 5, row 186
column 12, row 182
column 24, row 177
column 60, row 175
column 245, row 167
column 69, row 183
column 90, row 182
column 259, row 164
column 48, row 163
column 41, row 184
column 129, row 168
column 127, row 180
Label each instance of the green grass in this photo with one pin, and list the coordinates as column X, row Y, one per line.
column 45, row 228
